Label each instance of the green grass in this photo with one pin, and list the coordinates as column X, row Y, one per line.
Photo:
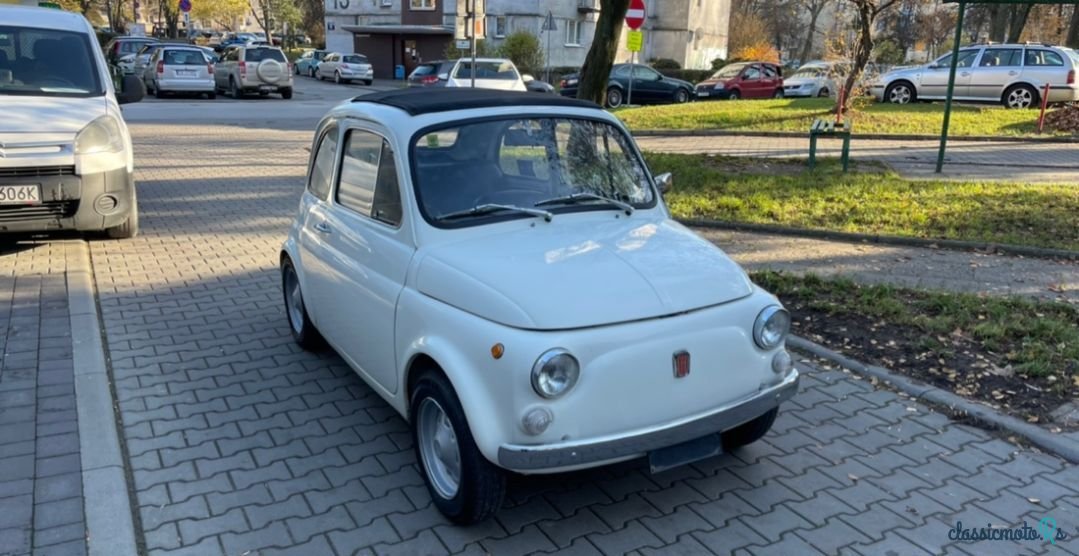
column 1038, row 338
column 875, row 202
column 798, row 114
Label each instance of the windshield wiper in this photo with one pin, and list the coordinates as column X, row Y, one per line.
column 491, row 207
column 584, row 196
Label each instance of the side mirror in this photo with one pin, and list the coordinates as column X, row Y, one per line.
column 131, row 90
column 665, row 182
column 443, row 77
column 526, row 77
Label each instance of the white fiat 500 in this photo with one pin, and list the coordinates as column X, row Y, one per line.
column 501, row 268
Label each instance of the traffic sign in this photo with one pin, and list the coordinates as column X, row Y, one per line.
column 635, row 15
column 185, row 6
column 634, row 41
column 549, row 23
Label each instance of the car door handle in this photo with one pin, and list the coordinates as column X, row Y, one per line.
column 323, row 228
column 1013, row 73
column 965, row 74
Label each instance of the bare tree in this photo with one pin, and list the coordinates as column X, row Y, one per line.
column 814, row 8
column 866, row 14
column 597, row 65
column 1073, row 30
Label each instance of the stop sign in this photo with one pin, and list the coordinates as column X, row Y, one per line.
column 635, row 15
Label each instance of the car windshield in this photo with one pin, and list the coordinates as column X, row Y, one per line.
column 355, row 59
column 260, row 54
column 526, row 164
column 45, row 62
column 487, row 70
column 728, row 71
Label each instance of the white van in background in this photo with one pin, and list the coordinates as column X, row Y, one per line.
column 65, row 152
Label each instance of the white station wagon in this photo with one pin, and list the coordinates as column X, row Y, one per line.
column 501, row 268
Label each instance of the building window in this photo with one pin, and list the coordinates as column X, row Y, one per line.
column 422, row 4
column 573, row 32
column 500, row 26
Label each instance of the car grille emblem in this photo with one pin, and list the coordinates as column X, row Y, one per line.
column 681, row 364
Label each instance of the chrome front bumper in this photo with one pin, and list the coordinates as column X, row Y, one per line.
column 554, row 456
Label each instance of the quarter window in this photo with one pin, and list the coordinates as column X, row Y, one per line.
column 322, row 168
column 368, row 183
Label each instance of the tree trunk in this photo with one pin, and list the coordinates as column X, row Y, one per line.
column 862, row 51
column 1020, row 14
column 597, row 65
column 814, row 14
column 998, row 23
column 1073, row 30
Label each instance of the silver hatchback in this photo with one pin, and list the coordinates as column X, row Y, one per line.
column 1014, row 75
column 179, row 70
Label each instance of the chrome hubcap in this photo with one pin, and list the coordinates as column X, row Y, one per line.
column 438, row 448
column 900, row 95
column 294, row 300
column 1020, row 98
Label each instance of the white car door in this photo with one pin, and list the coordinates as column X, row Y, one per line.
column 369, row 248
column 935, row 79
column 313, row 232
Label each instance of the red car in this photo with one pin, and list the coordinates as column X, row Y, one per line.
column 743, row 80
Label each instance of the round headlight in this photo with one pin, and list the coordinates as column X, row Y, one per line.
column 555, row 373
column 771, row 327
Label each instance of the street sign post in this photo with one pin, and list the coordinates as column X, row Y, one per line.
column 185, row 6
column 474, row 16
column 634, row 41
column 549, row 27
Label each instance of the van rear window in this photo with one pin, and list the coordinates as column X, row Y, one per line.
column 260, row 54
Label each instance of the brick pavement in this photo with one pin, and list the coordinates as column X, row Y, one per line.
column 239, row 441
column 41, row 491
column 1011, row 161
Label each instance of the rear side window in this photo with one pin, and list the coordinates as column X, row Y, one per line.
column 770, row 72
column 322, row 169
column 424, row 69
column 1002, row 57
column 1044, row 58
column 368, row 182
column 260, row 54
column 184, row 58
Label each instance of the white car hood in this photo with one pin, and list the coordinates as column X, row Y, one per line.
column 35, row 114
column 580, row 273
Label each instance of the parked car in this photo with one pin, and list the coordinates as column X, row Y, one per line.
column 453, row 73
column 67, row 162
column 345, row 68
column 1012, row 74
column 141, row 59
column 811, row 80
column 180, row 69
column 501, row 268
column 122, row 46
column 233, row 39
column 308, row 62
column 743, row 80
column 254, row 69
column 649, row 86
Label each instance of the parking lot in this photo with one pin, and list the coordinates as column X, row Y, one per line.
column 237, row 442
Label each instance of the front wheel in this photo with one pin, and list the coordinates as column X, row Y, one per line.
column 681, row 96
column 614, row 98
column 337, row 77
column 778, row 93
column 311, row 72
column 303, row 330
column 234, row 90
column 368, row 82
column 735, row 95
column 750, row 432
column 1021, row 96
column 130, row 227
column 900, row 93
column 465, row 487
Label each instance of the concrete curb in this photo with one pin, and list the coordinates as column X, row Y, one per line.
column 852, row 237
column 1056, row 444
column 858, row 136
column 110, row 529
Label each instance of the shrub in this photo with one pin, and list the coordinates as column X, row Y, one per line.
column 666, row 64
column 759, row 52
column 718, row 64
column 524, row 49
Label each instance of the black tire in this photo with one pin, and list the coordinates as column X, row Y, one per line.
column 368, row 82
column 614, row 97
column 286, row 93
column 778, row 94
column 749, row 432
column 211, row 96
column 337, row 78
column 304, row 333
column 1021, row 97
column 681, row 96
column 900, row 92
column 735, row 94
column 296, row 69
column 823, row 92
column 311, row 72
column 158, row 93
column 482, row 485
column 130, row 227
column 234, row 90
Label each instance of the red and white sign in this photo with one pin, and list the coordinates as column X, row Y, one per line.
column 635, row 15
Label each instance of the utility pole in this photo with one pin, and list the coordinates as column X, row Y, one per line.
column 472, row 27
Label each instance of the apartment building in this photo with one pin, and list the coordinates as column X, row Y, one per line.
column 406, row 32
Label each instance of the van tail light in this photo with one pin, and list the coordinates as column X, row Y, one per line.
column 243, row 69
column 210, row 68
column 161, row 67
column 1071, row 77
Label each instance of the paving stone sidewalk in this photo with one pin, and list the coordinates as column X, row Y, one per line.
column 943, row 269
column 41, row 490
column 241, row 442
column 979, row 160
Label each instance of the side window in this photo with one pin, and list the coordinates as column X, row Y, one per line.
column 368, row 183
column 622, row 71
column 1044, row 58
column 1002, row 57
column 322, row 169
column 770, row 72
column 752, row 73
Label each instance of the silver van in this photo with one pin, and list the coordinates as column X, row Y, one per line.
column 1014, row 75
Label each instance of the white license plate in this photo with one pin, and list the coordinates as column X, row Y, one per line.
column 703, row 94
column 185, row 73
column 20, row 194
column 265, row 88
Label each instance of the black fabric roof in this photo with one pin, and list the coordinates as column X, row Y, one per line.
column 422, row 100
